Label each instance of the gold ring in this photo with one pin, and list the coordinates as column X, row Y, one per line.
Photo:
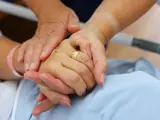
column 74, row 55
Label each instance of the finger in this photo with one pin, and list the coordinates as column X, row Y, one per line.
column 70, row 78
column 22, row 51
column 82, row 43
column 42, row 107
column 28, row 56
column 41, row 97
column 81, row 69
column 86, row 60
column 53, row 41
column 53, row 96
column 32, row 75
column 36, row 56
column 55, row 84
column 46, row 105
column 100, row 64
column 73, row 23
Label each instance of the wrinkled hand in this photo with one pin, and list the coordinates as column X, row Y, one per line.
column 50, row 32
column 89, row 43
column 76, row 74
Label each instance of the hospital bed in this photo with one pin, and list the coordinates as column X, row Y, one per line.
column 120, row 38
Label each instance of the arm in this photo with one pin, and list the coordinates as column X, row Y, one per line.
column 5, row 72
column 109, row 18
column 114, row 15
column 42, row 8
column 55, row 20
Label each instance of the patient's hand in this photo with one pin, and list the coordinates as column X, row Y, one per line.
column 75, row 74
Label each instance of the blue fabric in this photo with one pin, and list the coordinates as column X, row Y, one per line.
column 84, row 8
column 131, row 92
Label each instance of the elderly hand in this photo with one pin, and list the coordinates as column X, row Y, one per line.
column 52, row 29
column 69, row 73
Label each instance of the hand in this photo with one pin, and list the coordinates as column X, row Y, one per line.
column 49, row 97
column 52, row 29
column 82, row 81
column 76, row 73
column 89, row 42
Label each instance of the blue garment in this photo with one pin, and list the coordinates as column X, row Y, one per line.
column 131, row 92
column 84, row 8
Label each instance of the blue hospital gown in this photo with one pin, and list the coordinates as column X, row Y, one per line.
column 131, row 92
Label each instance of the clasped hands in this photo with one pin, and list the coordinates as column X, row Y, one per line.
column 60, row 75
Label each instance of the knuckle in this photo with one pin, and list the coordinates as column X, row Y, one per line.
column 83, row 70
column 75, row 78
column 84, row 58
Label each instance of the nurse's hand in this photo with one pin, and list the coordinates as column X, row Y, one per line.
column 52, row 29
column 89, row 42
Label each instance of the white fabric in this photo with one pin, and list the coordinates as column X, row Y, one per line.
column 7, row 96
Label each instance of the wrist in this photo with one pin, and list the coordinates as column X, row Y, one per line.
column 41, row 7
column 46, row 11
column 103, row 26
column 19, row 67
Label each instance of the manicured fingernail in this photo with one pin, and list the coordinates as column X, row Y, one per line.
column 63, row 102
column 32, row 67
column 26, row 66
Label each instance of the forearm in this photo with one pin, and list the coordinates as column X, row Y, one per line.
column 114, row 15
column 42, row 8
column 5, row 72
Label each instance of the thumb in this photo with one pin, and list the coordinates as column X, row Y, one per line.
column 73, row 23
column 100, row 63
column 34, row 76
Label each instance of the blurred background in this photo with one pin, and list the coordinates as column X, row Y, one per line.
column 18, row 29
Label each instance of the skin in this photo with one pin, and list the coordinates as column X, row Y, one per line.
column 67, row 79
column 97, row 32
column 114, row 17
column 55, row 21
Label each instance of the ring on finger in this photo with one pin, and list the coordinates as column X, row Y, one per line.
column 74, row 55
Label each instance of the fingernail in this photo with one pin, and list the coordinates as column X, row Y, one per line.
column 64, row 98
column 19, row 59
column 102, row 79
column 38, row 98
column 36, row 112
column 32, row 67
column 63, row 102
column 43, row 54
column 81, row 93
column 26, row 66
